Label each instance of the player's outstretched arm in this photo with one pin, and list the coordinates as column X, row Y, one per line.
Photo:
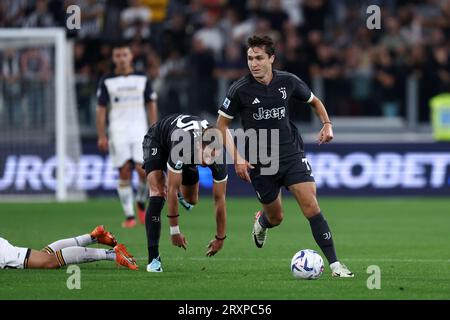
column 219, row 192
column 240, row 164
column 152, row 112
column 173, row 185
column 326, row 133
column 100, row 121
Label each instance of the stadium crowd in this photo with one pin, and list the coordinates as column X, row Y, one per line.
column 193, row 49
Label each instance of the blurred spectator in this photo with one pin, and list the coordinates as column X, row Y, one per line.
column 358, row 71
column 172, row 87
column 202, row 87
column 135, row 20
column 92, row 12
column 262, row 26
column 11, row 86
column 84, row 85
column 233, row 65
column 416, row 66
column 210, row 34
column 275, row 14
column 12, row 13
column 315, row 12
column 158, row 9
column 229, row 22
column 36, row 73
column 113, row 9
column 387, row 83
column 327, row 67
column 229, row 68
column 438, row 69
column 139, row 56
column 392, row 39
column 293, row 9
column 103, row 62
column 175, row 36
column 40, row 17
column 153, row 61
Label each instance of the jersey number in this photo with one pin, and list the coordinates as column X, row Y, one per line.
column 305, row 161
column 190, row 125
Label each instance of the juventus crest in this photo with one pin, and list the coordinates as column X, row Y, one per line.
column 283, row 92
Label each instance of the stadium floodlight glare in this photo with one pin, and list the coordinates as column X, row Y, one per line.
column 44, row 111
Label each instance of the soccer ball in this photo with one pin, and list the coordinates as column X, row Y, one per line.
column 307, row 264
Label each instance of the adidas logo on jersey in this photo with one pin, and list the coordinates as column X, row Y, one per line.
column 256, row 101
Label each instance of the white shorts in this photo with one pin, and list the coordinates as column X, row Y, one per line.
column 13, row 257
column 122, row 150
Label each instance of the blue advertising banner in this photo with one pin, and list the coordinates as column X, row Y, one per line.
column 339, row 170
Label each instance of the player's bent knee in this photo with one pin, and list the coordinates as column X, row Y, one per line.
column 156, row 184
column 310, row 208
column 277, row 219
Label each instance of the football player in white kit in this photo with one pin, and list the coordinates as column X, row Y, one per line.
column 132, row 108
column 65, row 252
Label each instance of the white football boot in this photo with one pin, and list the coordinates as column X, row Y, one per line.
column 340, row 270
column 259, row 233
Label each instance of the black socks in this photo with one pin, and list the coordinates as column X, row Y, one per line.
column 322, row 235
column 153, row 226
column 264, row 222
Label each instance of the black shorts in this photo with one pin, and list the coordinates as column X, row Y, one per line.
column 292, row 171
column 155, row 158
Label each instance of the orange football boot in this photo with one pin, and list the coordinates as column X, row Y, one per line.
column 124, row 258
column 103, row 236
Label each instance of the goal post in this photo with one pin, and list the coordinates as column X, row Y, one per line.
column 41, row 120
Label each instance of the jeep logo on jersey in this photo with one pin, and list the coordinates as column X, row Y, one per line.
column 275, row 113
column 283, row 92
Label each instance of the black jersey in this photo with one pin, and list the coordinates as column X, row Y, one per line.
column 266, row 107
column 173, row 130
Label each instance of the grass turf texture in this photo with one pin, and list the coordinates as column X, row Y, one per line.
column 407, row 238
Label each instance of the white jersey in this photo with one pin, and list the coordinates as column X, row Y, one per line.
column 126, row 96
column 11, row 256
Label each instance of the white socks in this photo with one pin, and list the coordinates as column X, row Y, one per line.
column 80, row 241
column 125, row 192
column 74, row 255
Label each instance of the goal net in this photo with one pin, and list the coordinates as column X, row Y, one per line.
column 40, row 143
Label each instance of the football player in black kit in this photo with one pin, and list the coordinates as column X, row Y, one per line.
column 161, row 145
column 261, row 99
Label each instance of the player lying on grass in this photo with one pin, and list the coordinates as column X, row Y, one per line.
column 182, row 175
column 65, row 252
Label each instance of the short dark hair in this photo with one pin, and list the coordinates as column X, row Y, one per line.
column 120, row 44
column 262, row 42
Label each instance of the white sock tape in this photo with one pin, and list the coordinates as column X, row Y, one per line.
column 174, row 230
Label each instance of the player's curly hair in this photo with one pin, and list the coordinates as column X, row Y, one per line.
column 263, row 42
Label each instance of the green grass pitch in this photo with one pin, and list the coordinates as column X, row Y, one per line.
column 408, row 238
